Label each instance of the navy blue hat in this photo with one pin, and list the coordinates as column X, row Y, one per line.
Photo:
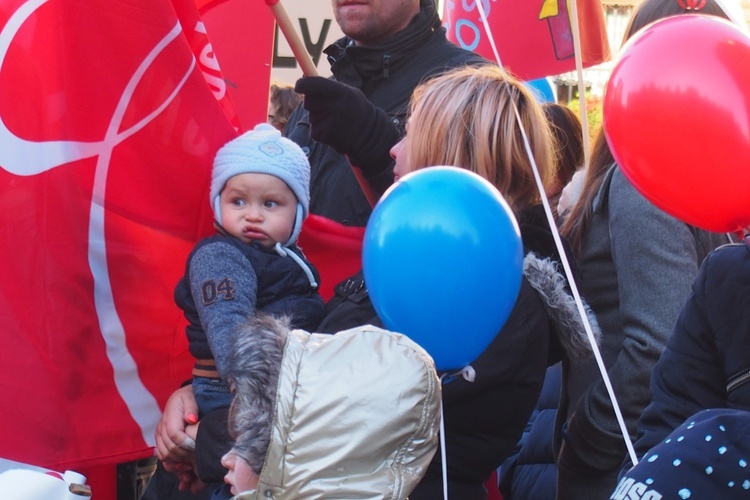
column 708, row 456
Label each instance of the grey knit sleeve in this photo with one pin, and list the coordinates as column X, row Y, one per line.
column 224, row 286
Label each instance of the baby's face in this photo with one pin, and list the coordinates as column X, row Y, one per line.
column 258, row 207
column 240, row 476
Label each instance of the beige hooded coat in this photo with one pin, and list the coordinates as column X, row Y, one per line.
column 356, row 417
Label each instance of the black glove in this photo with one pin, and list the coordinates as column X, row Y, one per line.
column 343, row 118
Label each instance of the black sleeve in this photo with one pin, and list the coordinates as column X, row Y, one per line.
column 485, row 419
column 212, row 442
column 342, row 117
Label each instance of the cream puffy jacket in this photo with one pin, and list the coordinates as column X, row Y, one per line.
column 357, row 417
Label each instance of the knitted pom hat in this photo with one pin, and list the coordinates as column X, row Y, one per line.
column 263, row 151
column 708, row 456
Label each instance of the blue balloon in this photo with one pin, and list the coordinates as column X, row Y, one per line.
column 542, row 90
column 442, row 258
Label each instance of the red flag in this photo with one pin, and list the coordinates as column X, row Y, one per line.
column 334, row 249
column 534, row 39
column 107, row 132
column 241, row 35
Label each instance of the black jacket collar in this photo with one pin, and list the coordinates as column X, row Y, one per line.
column 354, row 64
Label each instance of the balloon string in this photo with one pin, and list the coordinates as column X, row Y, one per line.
column 568, row 271
column 487, row 30
column 578, row 61
column 442, row 444
column 468, row 374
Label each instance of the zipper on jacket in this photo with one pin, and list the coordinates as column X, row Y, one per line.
column 736, row 381
column 386, row 66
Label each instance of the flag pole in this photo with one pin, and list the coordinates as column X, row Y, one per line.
column 290, row 34
column 581, row 84
column 308, row 69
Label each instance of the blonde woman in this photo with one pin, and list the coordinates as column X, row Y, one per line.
column 467, row 118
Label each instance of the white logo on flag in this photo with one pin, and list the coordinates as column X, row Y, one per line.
column 21, row 157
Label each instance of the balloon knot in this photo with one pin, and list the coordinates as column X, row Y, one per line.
column 468, row 373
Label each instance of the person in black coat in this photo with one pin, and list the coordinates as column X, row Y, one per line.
column 706, row 363
column 450, row 125
column 355, row 117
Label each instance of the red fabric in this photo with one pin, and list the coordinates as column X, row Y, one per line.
column 493, row 492
column 108, row 129
column 534, row 39
column 102, row 480
column 334, row 249
column 242, row 37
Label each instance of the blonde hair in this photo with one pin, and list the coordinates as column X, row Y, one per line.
column 465, row 118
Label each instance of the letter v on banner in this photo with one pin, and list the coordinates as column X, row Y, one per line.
column 106, row 150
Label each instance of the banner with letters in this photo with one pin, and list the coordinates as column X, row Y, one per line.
column 533, row 39
column 241, row 35
column 317, row 28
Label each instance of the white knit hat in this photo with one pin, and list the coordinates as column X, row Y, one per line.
column 263, row 151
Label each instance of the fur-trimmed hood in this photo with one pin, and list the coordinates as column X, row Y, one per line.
column 543, row 275
column 355, row 415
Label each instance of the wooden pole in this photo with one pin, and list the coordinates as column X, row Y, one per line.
column 290, row 34
column 308, row 69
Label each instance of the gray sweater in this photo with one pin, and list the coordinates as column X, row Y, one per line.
column 637, row 266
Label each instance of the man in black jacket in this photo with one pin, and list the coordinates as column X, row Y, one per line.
column 389, row 48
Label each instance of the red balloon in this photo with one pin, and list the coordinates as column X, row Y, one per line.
column 677, row 119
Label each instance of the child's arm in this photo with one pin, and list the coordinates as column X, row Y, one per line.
column 224, row 286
